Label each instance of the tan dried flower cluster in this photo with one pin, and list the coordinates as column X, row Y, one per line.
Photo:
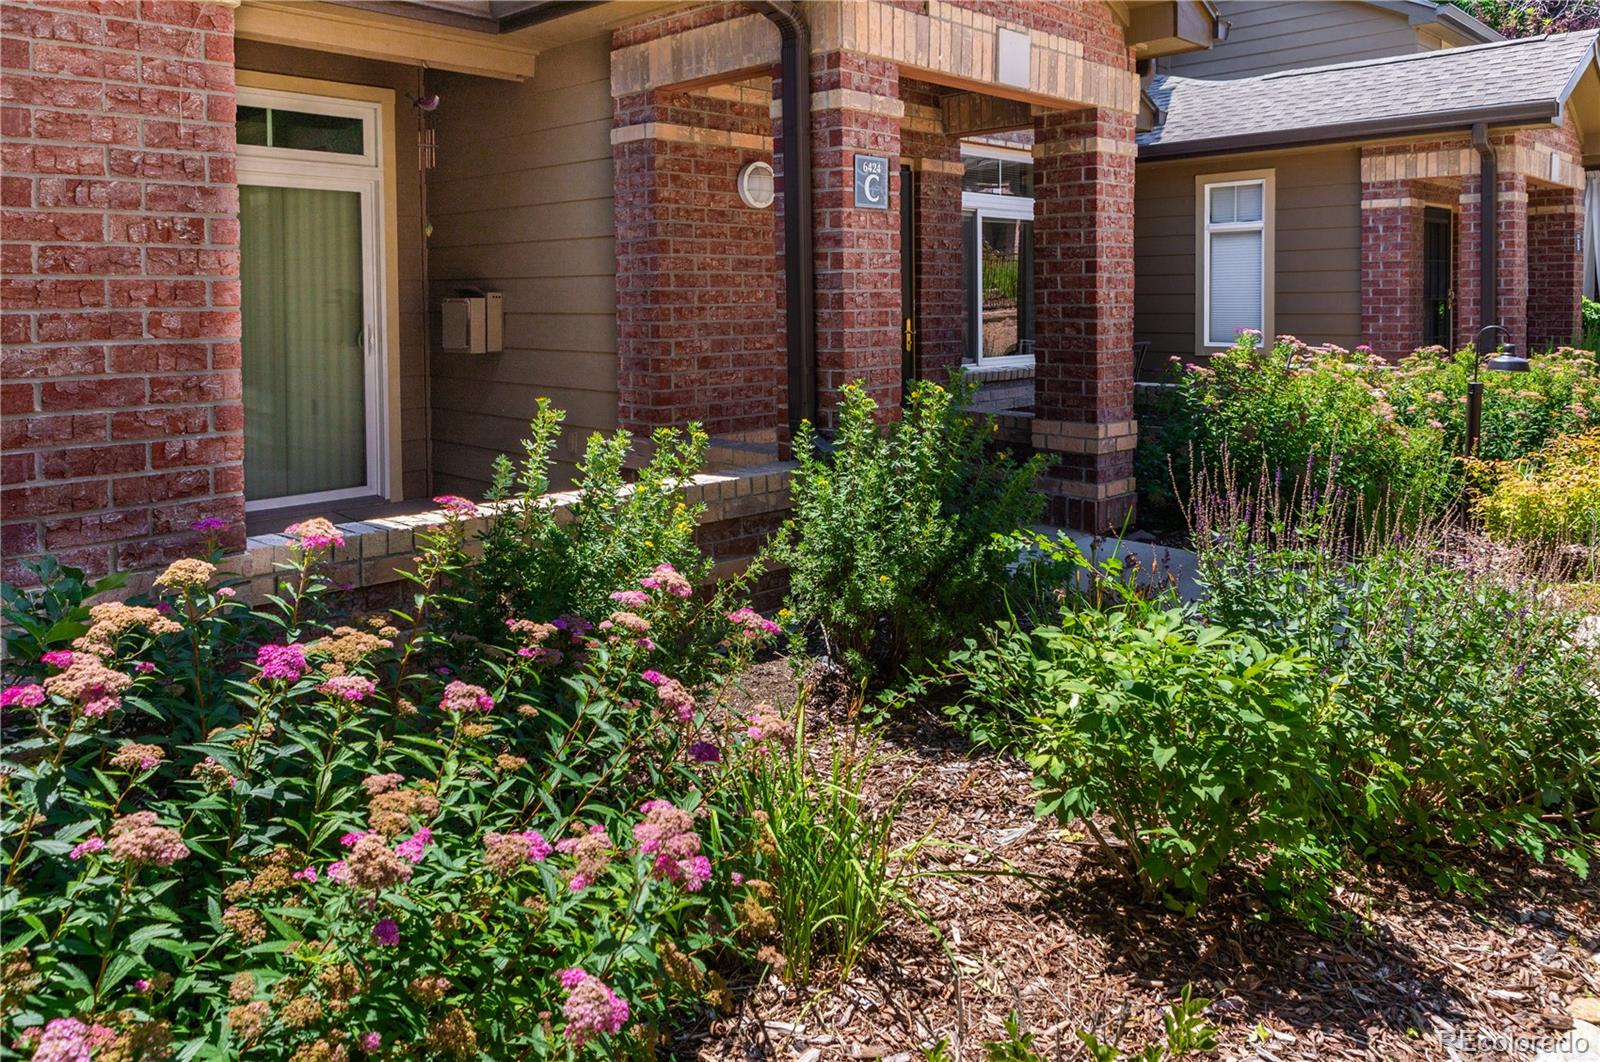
column 249, row 1021
column 132, row 756
column 246, row 924
column 340, row 984
column 452, row 1035
column 212, row 774
column 242, row 987
column 187, row 574
column 349, row 646
column 18, row 977
column 509, row 763
column 109, row 620
column 141, row 840
column 373, row 864
column 389, row 812
column 477, row 730
column 756, row 921
column 381, row 783
column 428, row 989
column 680, row 968
column 86, row 680
column 324, row 1050
column 300, row 1012
column 138, row 1041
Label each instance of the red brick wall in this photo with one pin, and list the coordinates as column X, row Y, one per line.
column 857, row 251
column 120, row 293
column 1555, row 267
column 698, row 331
column 1391, row 268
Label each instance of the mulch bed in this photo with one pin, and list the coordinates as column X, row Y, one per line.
column 1030, row 920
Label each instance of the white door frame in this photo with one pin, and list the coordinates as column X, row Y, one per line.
column 362, row 174
column 1000, row 207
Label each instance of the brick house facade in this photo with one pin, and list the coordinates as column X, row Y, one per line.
column 127, row 358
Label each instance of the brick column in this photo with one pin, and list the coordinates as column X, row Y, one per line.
column 1555, row 266
column 123, row 422
column 1511, row 242
column 1083, row 310
column 1391, row 268
column 698, row 327
column 855, row 109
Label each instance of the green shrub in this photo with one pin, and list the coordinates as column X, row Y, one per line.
column 1291, row 410
column 1201, row 746
column 1591, row 325
column 538, row 567
column 1552, row 496
column 236, row 829
column 892, row 550
column 831, row 874
column 1468, row 694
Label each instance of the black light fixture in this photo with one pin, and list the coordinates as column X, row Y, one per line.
column 1504, row 359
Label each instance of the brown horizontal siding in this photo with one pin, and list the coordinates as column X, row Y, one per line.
column 521, row 204
column 1264, row 37
column 1318, row 254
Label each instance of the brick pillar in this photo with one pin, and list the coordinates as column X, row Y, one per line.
column 1391, row 268
column 855, row 109
column 940, row 303
column 1083, row 309
column 1555, row 266
column 698, row 330
column 120, row 293
column 1511, row 242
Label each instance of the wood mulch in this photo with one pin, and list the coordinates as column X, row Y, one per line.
column 1017, row 915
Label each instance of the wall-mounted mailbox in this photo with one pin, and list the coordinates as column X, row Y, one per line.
column 473, row 323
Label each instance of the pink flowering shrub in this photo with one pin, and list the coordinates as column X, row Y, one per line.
column 273, row 832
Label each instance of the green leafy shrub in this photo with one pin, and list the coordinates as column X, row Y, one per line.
column 1552, row 496
column 234, row 829
column 831, row 873
column 1469, row 695
column 1591, row 325
column 1201, row 747
column 1291, row 410
column 892, row 550
column 539, row 567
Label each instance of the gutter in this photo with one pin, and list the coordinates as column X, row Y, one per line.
column 1488, row 232
column 799, row 282
column 1516, row 114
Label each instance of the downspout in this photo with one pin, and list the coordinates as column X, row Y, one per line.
column 1488, row 221
column 798, row 279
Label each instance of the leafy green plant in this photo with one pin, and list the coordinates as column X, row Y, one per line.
column 234, row 829
column 831, row 872
column 1467, row 688
column 537, row 566
column 892, row 550
column 1591, row 325
column 1018, row 1045
column 1551, row 496
column 1184, row 1028
column 1199, row 746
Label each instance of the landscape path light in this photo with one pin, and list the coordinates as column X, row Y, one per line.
column 1504, row 359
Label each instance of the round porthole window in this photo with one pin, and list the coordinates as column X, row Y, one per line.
column 756, row 185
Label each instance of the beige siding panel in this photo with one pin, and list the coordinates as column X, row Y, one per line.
column 1318, row 238
column 413, row 338
column 1268, row 36
column 521, row 204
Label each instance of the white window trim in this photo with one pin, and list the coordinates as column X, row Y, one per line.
column 365, row 175
column 987, row 205
column 1204, row 184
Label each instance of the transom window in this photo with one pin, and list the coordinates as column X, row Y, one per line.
column 1235, row 259
column 284, row 125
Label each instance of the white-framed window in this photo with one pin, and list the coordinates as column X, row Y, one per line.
column 997, row 241
column 1236, row 255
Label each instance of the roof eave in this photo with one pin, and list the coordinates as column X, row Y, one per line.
column 1520, row 114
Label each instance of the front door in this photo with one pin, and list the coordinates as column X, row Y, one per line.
column 908, row 280
column 308, row 214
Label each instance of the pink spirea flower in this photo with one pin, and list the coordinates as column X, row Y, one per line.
column 591, row 1008
column 652, row 676
column 666, row 579
column 84, row 847
column 100, row 706
column 464, row 697
column 456, row 505
column 227, row 591
column 307, row 875
column 286, row 662
column 142, row 984
column 315, row 534
column 630, row 598
column 28, row 696
column 64, row 1040
column 667, row 832
column 754, row 624
column 676, row 700
column 736, row 877
column 209, row 525
column 339, row 872
column 58, row 658
column 348, row 688
column 144, row 667
column 412, row 847
column 349, row 840
column 386, row 932
column 370, row 1042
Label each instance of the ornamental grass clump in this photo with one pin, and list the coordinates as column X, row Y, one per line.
column 236, row 830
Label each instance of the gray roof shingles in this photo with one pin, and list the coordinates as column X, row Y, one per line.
column 1505, row 77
